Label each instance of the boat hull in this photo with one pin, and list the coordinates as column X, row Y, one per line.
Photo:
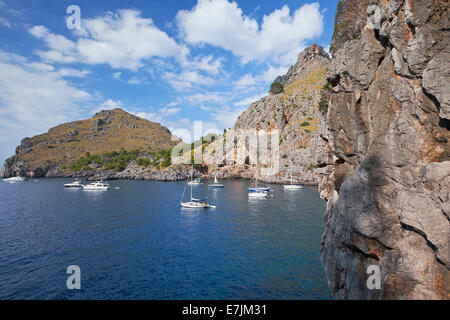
column 258, row 195
column 258, row 189
column 293, row 187
column 196, row 205
column 15, row 179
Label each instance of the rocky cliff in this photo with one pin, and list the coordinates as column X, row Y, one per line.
column 295, row 112
column 389, row 120
column 52, row 153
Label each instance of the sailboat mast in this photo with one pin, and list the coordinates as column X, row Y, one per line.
column 292, row 180
column 256, row 183
column 192, row 179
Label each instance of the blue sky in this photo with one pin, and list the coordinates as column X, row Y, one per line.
column 172, row 62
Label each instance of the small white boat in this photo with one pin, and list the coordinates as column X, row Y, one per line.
column 98, row 185
column 15, row 179
column 258, row 194
column 216, row 184
column 195, row 203
column 76, row 184
column 195, row 182
column 292, row 186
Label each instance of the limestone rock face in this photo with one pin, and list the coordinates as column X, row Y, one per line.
column 389, row 190
column 304, row 149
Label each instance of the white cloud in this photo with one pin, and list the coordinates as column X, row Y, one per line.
column 187, row 80
column 138, row 80
column 199, row 98
column 226, row 117
column 223, row 24
column 169, row 111
column 5, row 22
column 207, row 64
column 150, row 116
column 117, row 75
column 248, row 101
column 122, row 40
column 260, row 80
column 33, row 98
column 186, row 130
column 69, row 72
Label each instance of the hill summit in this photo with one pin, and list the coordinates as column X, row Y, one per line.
column 106, row 131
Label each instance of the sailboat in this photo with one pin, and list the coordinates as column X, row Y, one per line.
column 195, row 203
column 216, row 184
column 258, row 192
column 292, row 186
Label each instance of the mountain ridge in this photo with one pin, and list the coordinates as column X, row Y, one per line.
column 106, row 131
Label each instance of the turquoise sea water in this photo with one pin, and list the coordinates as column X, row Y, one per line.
column 137, row 243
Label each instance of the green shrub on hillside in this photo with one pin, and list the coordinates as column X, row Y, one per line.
column 276, row 88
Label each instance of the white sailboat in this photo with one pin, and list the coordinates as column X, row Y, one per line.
column 258, row 192
column 195, row 203
column 216, row 184
column 292, row 186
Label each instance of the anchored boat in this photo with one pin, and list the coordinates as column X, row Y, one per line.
column 216, row 184
column 258, row 192
column 76, row 184
column 98, row 185
column 292, row 186
column 15, row 179
column 195, row 203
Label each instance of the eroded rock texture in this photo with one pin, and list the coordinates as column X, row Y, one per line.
column 304, row 150
column 388, row 118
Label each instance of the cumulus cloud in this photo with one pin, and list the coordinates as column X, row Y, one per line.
column 4, row 22
column 123, row 40
column 187, row 80
column 261, row 79
column 33, row 98
column 69, row 72
column 226, row 117
column 150, row 116
column 223, row 24
column 169, row 111
column 205, row 97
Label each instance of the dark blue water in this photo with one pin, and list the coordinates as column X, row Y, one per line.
column 137, row 243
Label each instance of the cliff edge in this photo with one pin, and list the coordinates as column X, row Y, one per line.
column 388, row 121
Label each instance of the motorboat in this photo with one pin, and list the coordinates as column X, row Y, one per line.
column 195, row 182
column 258, row 194
column 293, row 187
column 98, row 185
column 76, row 184
column 216, row 184
column 15, row 179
